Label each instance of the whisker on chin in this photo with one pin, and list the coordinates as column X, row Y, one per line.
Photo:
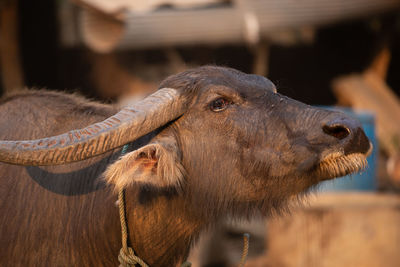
column 333, row 167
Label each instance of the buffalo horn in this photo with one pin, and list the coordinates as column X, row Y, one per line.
column 127, row 125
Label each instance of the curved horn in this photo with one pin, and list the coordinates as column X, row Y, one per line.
column 127, row 125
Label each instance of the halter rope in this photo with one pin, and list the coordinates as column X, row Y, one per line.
column 127, row 257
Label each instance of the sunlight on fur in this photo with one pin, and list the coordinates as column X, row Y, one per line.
column 152, row 164
column 340, row 165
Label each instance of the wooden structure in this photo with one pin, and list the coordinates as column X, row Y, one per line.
column 120, row 26
column 335, row 230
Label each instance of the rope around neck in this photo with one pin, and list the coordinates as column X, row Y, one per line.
column 246, row 238
column 127, row 257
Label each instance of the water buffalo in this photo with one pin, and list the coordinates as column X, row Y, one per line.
column 211, row 142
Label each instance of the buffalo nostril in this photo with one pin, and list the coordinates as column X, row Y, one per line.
column 336, row 130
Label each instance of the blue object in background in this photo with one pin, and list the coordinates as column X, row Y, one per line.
column 366, row 181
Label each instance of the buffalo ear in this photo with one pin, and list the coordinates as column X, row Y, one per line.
column 157, row 164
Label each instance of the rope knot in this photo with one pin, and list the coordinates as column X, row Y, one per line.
column 129, row 259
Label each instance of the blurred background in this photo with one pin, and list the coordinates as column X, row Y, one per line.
column 341, row 54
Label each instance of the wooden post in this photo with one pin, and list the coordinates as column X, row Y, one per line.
column 261, row 58
column 11, row 70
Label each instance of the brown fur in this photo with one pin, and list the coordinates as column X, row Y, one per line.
column 341, row 165
column 40, row 227
column 155, row 164
column 244, row 160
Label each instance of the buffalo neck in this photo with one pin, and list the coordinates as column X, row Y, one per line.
column 161, row 227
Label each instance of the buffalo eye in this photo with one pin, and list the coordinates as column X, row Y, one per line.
column 219, row 104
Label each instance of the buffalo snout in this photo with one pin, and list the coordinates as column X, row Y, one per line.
column 349, row 133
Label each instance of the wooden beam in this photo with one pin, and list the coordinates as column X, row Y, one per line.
column 224, row 24
column 380, row 64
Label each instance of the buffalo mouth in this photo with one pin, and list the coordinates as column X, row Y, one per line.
column 337, row 165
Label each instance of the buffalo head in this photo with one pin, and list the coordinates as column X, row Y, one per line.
column 226, row 141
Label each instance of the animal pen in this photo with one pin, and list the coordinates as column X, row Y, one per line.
column 332, row 53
